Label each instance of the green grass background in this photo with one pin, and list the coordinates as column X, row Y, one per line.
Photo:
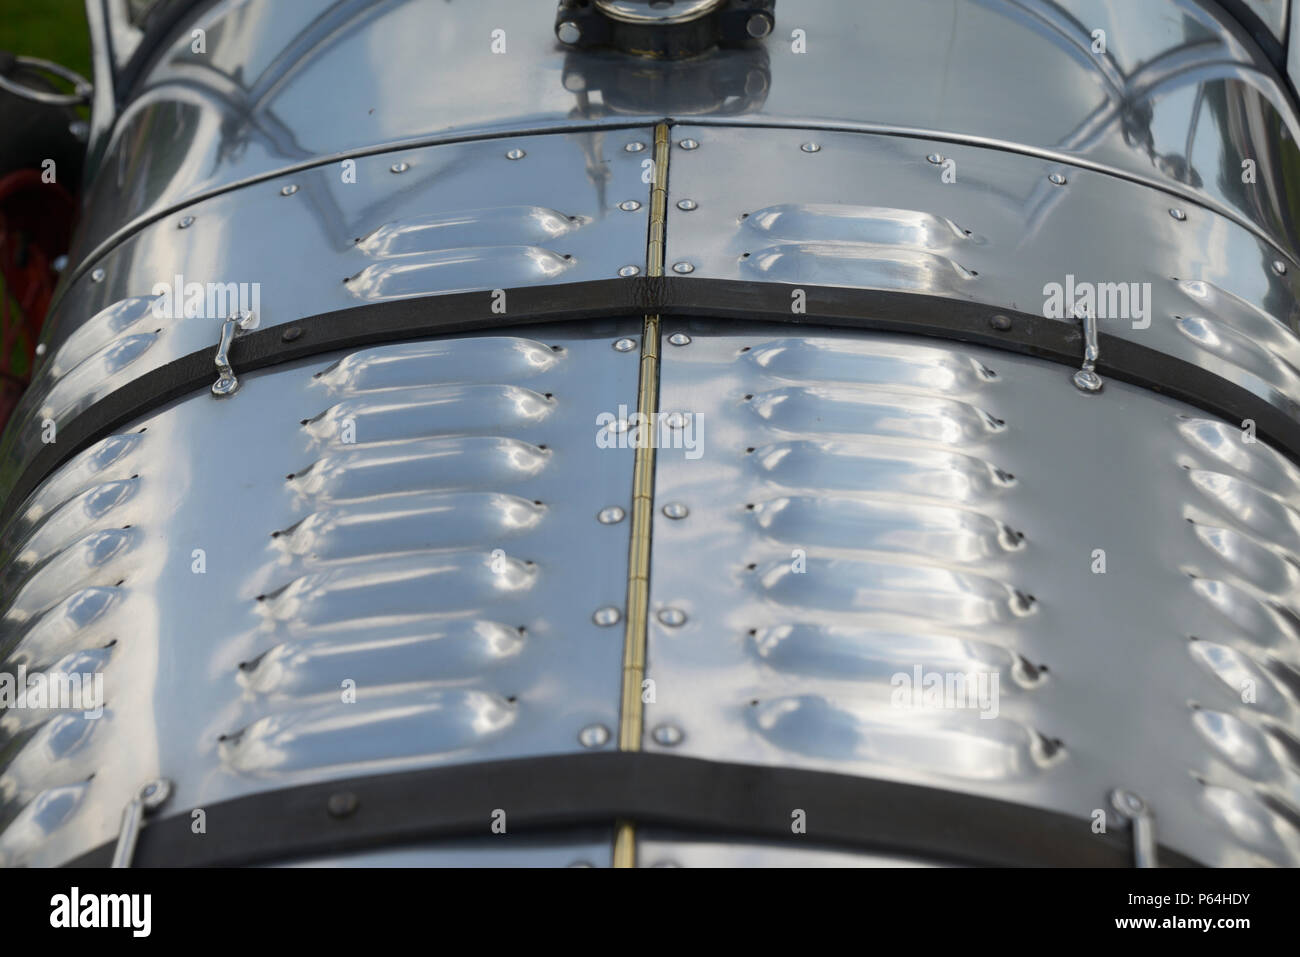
column 53, row 29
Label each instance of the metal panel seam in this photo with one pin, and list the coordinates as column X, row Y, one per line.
column 638, row 571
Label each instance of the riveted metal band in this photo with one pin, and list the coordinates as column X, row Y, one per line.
column 711, row 799
column 866, row 309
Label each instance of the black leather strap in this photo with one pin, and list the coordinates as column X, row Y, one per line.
column 706, row 798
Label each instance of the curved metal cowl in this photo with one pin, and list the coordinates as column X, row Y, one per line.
column 883, row 547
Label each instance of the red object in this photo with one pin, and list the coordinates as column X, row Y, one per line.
column 35, row 228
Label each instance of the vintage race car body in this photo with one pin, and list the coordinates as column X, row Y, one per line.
column 420, row 590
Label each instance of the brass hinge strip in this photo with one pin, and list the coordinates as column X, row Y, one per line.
column 632, row 711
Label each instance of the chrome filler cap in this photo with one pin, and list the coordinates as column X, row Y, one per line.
column 660, row 12
column 663, row 29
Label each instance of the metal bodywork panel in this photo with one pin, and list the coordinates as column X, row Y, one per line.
column 923, row 484
column 1274, row 14
column 426, row 553
column 1178, row 98
column 879, row 212
column 873, row 211
column 567, row 850
column 446, row 564
column 458, row 217
column 659, row 849
column 871, row 505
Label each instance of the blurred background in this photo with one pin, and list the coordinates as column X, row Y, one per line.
column 52, row 29
column 36, row 216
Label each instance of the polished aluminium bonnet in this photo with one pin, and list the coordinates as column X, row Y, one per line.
column 445, row 523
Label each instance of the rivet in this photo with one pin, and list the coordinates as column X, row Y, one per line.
column 689, row 144
column 687, row 204
column 679, row 339
column 290, row 334
column 609, row 615
column 1057, row 179
column 399, row 168
column 629, row 271
column 515, row 154
column 634, row 147
column 610, row 516
column 40, row 348
column 342, row 804
column 672, row 617
column 1279, row 267
column 811, row 147
column 97, row 275
column 1000, row 322
column 629, row 205
column 1178, row 214
column 288, row 190
column 758, row 26
column 676, row 510
column 624, row 345
column 185, row 223
column 936, row 159
column 594, row 736
column 569, row 32
column 667, row 735
column 683, row 268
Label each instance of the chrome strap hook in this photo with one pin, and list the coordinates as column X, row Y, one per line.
column 1138, row 813
column 227, row 384
column 149, row 798
column 1086, row 379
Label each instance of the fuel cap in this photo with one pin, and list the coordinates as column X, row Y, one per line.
column 663, row 29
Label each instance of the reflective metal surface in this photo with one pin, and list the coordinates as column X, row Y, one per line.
column 1293, row 51
column 876, row 212
column 461, row 217
column 662, row 849
column 1178, row 98
column 373, row 561
column 873, row 506
column 417, row 554
column 1272, row 14
column 578, row 849
column 149, row 798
